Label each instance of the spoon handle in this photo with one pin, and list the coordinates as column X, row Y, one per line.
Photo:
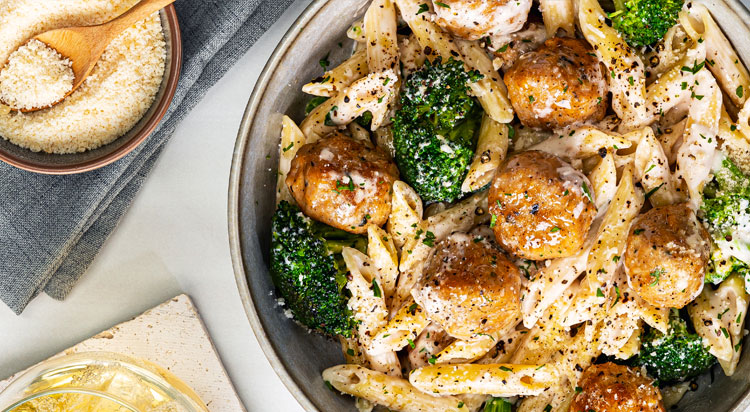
column 136, row 13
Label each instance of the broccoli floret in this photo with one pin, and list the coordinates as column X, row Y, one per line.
column 644, row 22
column 308, row 270
column 726, row 213
column 434, row 131
column 497, row 405
column 674, row 357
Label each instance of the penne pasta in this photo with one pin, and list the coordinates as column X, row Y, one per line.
column 492, row 147
column 721, row 58
column 366, row 303
column 391, row 392
column 718, row 317
column 340, row 77
column 695, row 156
column 651, row 168
column 605, row 254
column 405, row 326
column 584, row 142
column 503, row 380
column 382, row 48
column 558, row 15
column 292, row 139
column 467, row 350
column 384, row 256
column 406, row 214
column 627, row 80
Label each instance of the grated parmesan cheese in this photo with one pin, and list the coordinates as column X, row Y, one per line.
column 119, row 91
column 36, row 75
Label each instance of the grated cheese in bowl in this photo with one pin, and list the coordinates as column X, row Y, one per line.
column 35, row 76
column 116, row 95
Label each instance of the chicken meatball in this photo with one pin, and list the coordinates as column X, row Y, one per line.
column 541, row 206
column 616, row 388
column 666, row 256
column 469, row 287
column 475, row 19
column 343, row 183
column 559, row 84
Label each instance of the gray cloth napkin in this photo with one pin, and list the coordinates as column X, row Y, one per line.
column 51, row 227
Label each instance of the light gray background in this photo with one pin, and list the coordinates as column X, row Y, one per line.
column 174, row 239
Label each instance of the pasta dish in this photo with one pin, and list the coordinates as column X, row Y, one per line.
column 495, row 206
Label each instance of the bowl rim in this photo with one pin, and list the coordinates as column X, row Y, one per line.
column 170, row 15
column 235, row 179
column 243, row 139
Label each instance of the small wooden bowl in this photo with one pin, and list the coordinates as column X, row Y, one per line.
column 62, row 164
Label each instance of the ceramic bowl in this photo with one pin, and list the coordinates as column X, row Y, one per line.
column 60, row 164
column 297, row 355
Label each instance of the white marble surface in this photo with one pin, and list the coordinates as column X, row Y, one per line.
column 173, row 240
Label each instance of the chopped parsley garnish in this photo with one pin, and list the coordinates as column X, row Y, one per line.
column 429, row 239
column 423, row 8
column 376, row 289
column 656, row 274
column 587, row 192
column 695, row 69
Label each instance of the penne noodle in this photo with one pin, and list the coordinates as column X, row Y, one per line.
column 382, row 48
column 721, row 58
column 391, row 392
column 651, row 168
column 406, row 214
column 340, row 77
column 695, row 156
column 503, row 380
column 371, row 93
column 719, row 318
column 406, row 325
column 583, row 142
column 605, row 254
column 491, row 91
column 558, row 15
column 366, row 303
column 627, row 80
column 492, row 147
column 292, row 139
column 603, row 178
column 384, row 256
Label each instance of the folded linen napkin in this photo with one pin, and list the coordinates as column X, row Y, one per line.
column 51, row 227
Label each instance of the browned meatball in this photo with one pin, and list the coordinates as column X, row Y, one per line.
column 343, row 183
column 469, row 287
column 542, row 207
column 559, row 84
column 666, row 256
column 616, row 388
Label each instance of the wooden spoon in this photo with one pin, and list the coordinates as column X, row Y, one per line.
column 85, row 45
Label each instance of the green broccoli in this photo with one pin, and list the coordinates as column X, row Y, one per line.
column 434, row 133
column 726, row 213
column 308, row 270
column 644, row 22
column 674, row 357
column 497, row 405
